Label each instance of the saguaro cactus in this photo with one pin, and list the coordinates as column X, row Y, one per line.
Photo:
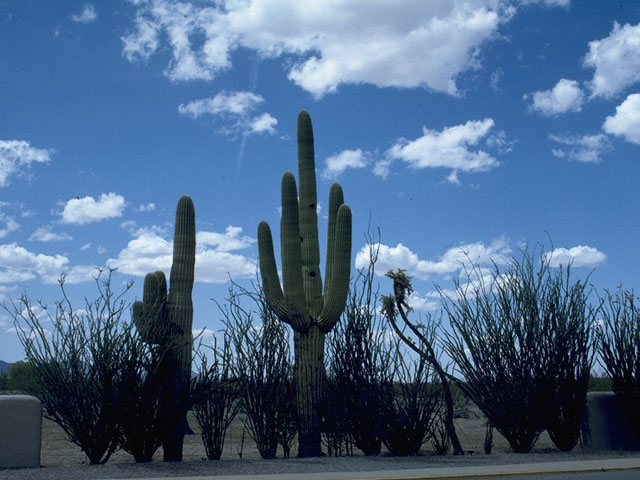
column 304, row 305
column 168, row 318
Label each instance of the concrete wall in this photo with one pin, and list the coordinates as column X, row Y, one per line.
column 605, row 426
column 20, row 431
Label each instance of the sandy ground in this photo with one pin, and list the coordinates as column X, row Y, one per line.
column 279, row 466
column 61, row 459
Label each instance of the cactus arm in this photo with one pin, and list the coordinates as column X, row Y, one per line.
column 337, row 290
column 292, row 255
column 149, row 315
column 336, row 198
column 311, row 278
column 269, row 273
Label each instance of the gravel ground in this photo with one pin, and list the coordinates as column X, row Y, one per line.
column 279, row 466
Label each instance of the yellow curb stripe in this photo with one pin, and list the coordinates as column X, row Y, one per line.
column 505, row 474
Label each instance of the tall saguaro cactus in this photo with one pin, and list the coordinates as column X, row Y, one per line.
column 168, row 317
column 310, row 310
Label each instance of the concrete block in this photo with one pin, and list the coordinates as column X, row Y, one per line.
column 20, row 431
column 605, row 425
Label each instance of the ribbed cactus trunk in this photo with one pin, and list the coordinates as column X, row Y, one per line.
column 309, row 378
column 303, row 305
column 168, row 318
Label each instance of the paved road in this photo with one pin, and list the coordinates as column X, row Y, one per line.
column 620, row 475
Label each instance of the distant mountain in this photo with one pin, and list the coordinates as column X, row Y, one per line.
column 4, row 366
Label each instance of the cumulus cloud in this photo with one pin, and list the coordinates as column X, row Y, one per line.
column 264, row 123
column 449, row 148
column 454, row 259
column 7, row 225
column 21, row 265
column 423, row 303
column 325, row 44
column 46, row 234
column 215, row 263
column 18, row 155
column 579, row 256
column 231, row 239
column 587, row 148
column 231, row 103
column 236, row 106
column 626, row 121
column 338, row 163
column 149, row 207
column 87, row 15
column 566, row 96
column 616, row 60
column 88, row 210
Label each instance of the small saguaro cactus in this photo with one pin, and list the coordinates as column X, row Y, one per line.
column 168, row 317
column 310, row 311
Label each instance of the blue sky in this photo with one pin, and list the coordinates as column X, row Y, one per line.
column 460, row 128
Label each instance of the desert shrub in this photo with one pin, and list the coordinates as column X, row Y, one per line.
column 264, row 369
column 572, row 344
column 521, row 340
column 600, row 383
column 421, row 338
column 144, row 412
column 361, row 365
column 619, row 348
column 217, row 397
column 82, row 363
column 410, row 409
column 20, row 377
column 336, row 427
column 377, row 393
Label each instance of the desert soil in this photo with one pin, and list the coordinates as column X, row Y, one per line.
column 60, row 459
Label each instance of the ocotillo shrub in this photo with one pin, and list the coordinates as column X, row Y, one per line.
column 84, row 366
column 216, row 399
column 619, row 347
column 263, row 369
column 519, row 340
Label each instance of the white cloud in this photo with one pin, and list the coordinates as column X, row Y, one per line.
column 626, row 121
column 264, row 123
column 149, row 252
column 587, row 149
column 616, row 60
column 236, row 106
column 87, row 209
column 557, row 3
column 579, row 256
column 453, row 260
column 423, row 303
column 144, row 42
column 7, row 225
column 448, row 148
column 45, row 234
column 565, row 97
column 87, row 15
column 326, row 43
column 20, row 265
column 17, row 155
column 338, row 163
column 231, row 103
column 180, row 22
column 231, row 239
column 149, row 207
